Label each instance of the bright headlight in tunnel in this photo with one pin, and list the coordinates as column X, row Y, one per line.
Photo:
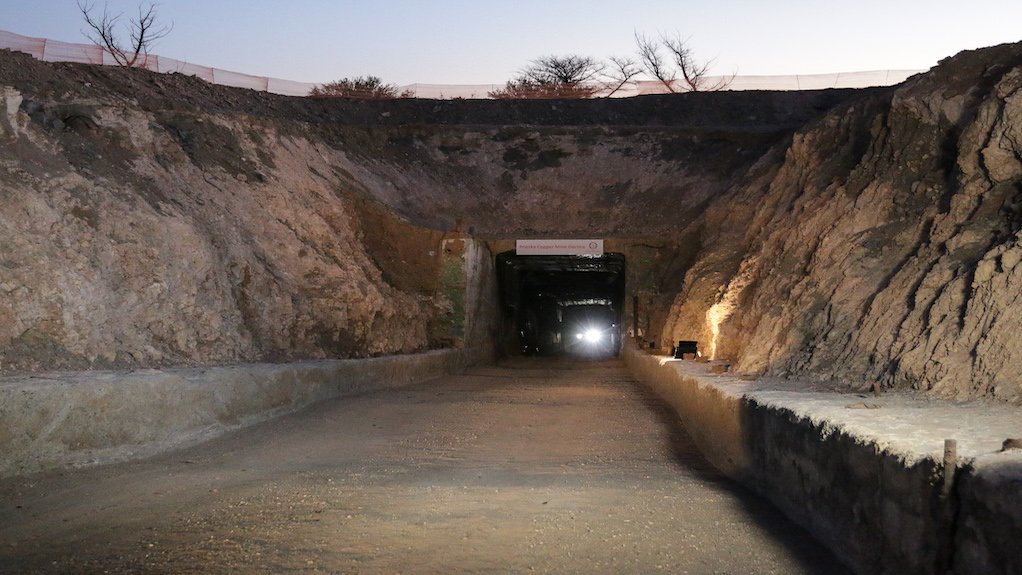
column 592, row 335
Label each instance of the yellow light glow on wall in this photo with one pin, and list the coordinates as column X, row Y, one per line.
column 728, row 300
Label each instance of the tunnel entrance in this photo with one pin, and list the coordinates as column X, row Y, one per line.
column 558, row 304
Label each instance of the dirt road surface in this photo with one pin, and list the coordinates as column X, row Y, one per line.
column 546, row 466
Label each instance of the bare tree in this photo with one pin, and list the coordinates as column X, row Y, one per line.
column 678, row 60
column 360, row 88
column 653, row 61
column 143, row 32
column 571, row 70
column 621, row 72
column 555, row 77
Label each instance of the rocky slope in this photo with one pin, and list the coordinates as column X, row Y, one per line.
column 881, row 246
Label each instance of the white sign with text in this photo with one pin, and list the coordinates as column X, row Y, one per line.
column 559, row 247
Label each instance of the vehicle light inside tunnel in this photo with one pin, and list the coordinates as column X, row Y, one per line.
column 592, row 335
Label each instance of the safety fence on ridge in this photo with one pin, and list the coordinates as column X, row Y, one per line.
column 57, row 51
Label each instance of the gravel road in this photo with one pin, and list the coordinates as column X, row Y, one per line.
column 549, row 466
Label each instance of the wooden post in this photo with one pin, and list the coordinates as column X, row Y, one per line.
column 635, row 316
column 950, row 465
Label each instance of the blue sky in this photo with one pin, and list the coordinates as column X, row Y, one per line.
column 482, row 41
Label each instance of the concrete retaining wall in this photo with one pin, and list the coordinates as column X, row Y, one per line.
column 57, row 420
column 845, row 467
column 988, row 534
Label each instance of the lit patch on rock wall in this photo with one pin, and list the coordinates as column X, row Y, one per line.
column 727, row 301
column 716, row 315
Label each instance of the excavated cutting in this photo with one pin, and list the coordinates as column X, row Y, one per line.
column 853, row 237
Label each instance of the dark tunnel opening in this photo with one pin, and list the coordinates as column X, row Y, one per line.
column 561, row 305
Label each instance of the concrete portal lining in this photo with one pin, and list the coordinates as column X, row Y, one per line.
column 864, row 474
column 75, row 419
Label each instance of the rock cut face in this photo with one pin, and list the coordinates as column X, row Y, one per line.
column 133, row 236
column 883, row 246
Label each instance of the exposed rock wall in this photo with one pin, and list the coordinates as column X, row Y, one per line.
column 885, row 245
column 129, row 239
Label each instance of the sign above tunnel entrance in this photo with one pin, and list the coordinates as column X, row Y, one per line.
column 559, row 247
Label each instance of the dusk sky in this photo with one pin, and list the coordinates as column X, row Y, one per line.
column 481, row 42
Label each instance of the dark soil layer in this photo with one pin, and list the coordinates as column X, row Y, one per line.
column 158, row 92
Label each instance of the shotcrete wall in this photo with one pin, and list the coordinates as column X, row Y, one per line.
column 87, row 418
column 871, row 489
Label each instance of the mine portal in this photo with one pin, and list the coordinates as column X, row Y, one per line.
column 562, row 304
